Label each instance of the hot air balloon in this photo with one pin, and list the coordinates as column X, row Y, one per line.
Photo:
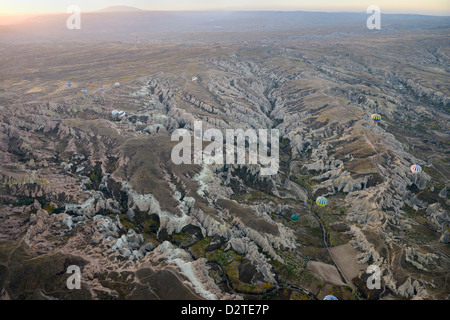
column 101, row 88
column 294, row 218
column 84, row 90
column 117, row 84
column 194, row 78
column 376, row 118
column 415, row 168
column 121, row 114
column 114, row 113
column 330, row 297
column 69, row 84
column 321, row 201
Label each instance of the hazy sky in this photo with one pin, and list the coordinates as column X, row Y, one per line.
column 438, row 7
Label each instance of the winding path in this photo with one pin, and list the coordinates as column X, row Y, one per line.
column 297, row 190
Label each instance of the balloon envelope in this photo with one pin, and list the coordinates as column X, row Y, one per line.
column 117, row 84
column 294, row 218
column 321, row 201
column 69, row 84
column 376, row 117
column 330, row 297
column 415, row 168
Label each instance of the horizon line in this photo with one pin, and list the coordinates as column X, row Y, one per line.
column 387, row 12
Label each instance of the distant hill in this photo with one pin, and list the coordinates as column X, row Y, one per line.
column 120, row 9
column 123, row 23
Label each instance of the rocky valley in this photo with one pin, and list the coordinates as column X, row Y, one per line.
column 81, row 188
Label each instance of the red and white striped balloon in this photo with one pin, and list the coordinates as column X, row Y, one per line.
column 415, row 168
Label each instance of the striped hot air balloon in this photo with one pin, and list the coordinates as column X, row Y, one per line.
column 84, row 90
column 321, row 201
column 415, row 168
column 294, row 217
column 121, row 114
column 376, row 118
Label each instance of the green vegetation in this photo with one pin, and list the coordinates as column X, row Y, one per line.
column 26, row 201
column 316, row 231
column 95, row 176
column 183, row 239
column 10, row 181
column 304, row 181
column 222, row 257
column 198, row 249
column 122, row 288
column 49, row 208
column 143, row 223
column 230, row 261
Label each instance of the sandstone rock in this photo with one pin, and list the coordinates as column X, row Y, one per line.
column 443, row 192
column 412, row 289
column 445, row 238
column 146, row 248
column 419, row 260
column 437, row 215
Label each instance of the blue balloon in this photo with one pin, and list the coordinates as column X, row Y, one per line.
column 69, row 84
column 376, row 118
column 330, row 297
